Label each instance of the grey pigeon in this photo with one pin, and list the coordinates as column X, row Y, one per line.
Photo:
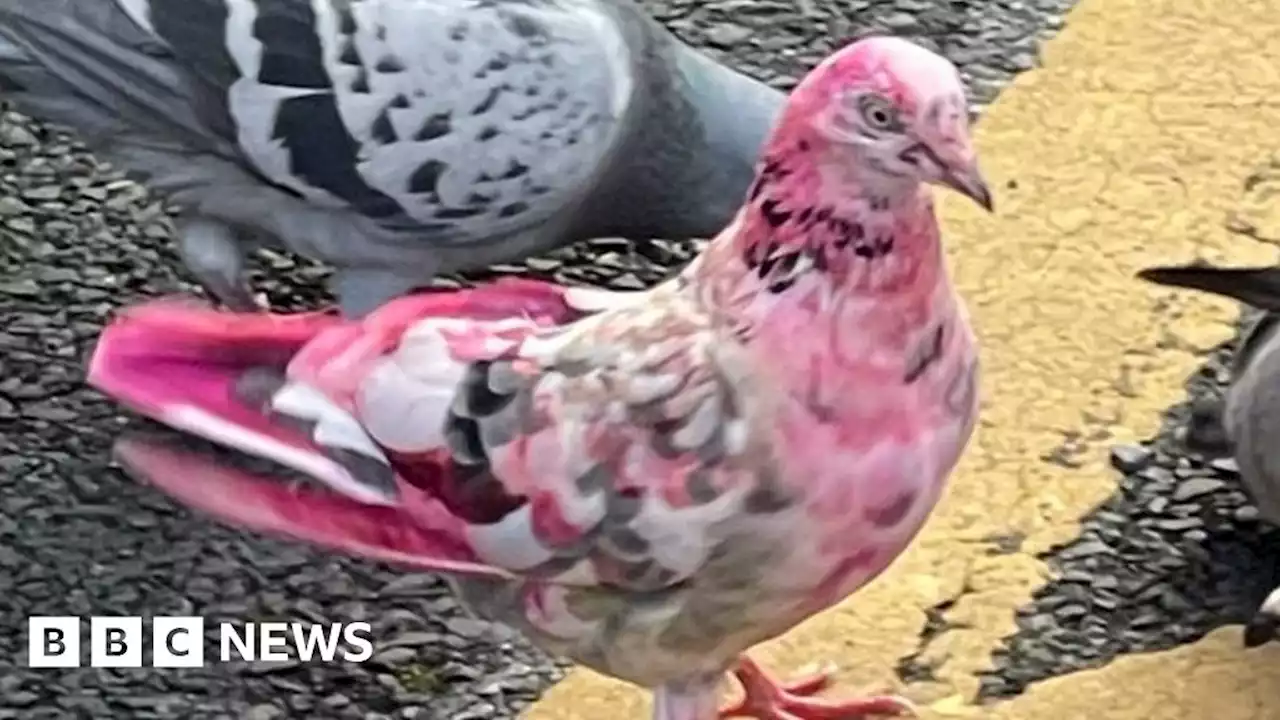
column 393, row 139
column 1251, row 413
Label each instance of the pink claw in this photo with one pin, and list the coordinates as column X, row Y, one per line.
column 764, row 698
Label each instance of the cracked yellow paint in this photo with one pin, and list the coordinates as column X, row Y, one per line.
column 1147, row 137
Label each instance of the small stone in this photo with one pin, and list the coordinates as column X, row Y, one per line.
column 17, row 136
column 43, row 192
column 1196, row 487
column 1247, row 513
column 1130, row 458
column 1227, row 465
column 412, row 640
column 727, row 34
column 10, row 205
column 336, row 701
column 1084, row 549
column 21, row 699
column 1070, row 612
column 466, row 627
column 1178, row 525
column 264, row 712
column 20, row 288
column 395, row 657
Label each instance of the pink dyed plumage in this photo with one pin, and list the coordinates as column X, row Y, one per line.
column 649, row 483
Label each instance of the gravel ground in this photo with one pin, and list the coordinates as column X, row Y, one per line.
column 76, row 537
column 1176, row 552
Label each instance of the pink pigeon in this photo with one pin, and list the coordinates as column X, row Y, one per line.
column 647, row 483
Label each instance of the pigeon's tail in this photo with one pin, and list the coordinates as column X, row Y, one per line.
column 1257, row 286
column 215, row 374
column 226, row 377
column 284, row 388
column 93, row 67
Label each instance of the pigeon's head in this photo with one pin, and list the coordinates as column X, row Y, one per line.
column 892, row 112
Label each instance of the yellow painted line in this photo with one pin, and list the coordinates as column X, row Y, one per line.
column 1132, row 146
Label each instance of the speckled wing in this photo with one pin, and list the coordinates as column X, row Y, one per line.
column 620, row 451
column 1253, row 415
column 444, row 118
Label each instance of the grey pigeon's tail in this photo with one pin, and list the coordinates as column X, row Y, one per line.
column 1256, row 286
column 88, row 65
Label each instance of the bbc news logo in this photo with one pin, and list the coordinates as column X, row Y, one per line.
column 179, row 642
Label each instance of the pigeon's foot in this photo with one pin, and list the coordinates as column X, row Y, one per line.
column 233, row 295
column 212, row 253
column 360, row 291
column 764, row 698
column 1265, row 623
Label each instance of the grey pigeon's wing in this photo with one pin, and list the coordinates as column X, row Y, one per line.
column 452, row 117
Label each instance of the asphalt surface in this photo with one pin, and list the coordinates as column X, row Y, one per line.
column 77, row 537
column 1175, row 553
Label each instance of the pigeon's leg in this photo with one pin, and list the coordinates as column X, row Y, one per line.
column 213, row 253
column 363, row 290
column 764, row 698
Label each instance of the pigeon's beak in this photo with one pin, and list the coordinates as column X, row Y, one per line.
column 965, row 178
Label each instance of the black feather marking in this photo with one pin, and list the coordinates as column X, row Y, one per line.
column 489, row 101
column 346, row 20
column 350, row 55
column 383, row 131
column 773, row 214
column 622, row 506
column 513, row 209
column 438, row 125
column 515, row 170
column 291, row 52
column 699, row 486
column 389, row 64
column 926, row 355
column 787, row 264
column 766, row 497
column 779, row 286
column 368, row 470
column 321, row 150
column 478, row 400
column 594, row 480
column 662, row 439
column 525, row 27
column 818, row 256
column 424, row 179
column 458, row 213
column 875, row 248
column 627, row 542
column 196, row 33
column 499, row 63
column 323, row 153
column 469, row 490
column 361, row 82
column 462, row 438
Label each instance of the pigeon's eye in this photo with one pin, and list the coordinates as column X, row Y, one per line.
column 879, row 114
